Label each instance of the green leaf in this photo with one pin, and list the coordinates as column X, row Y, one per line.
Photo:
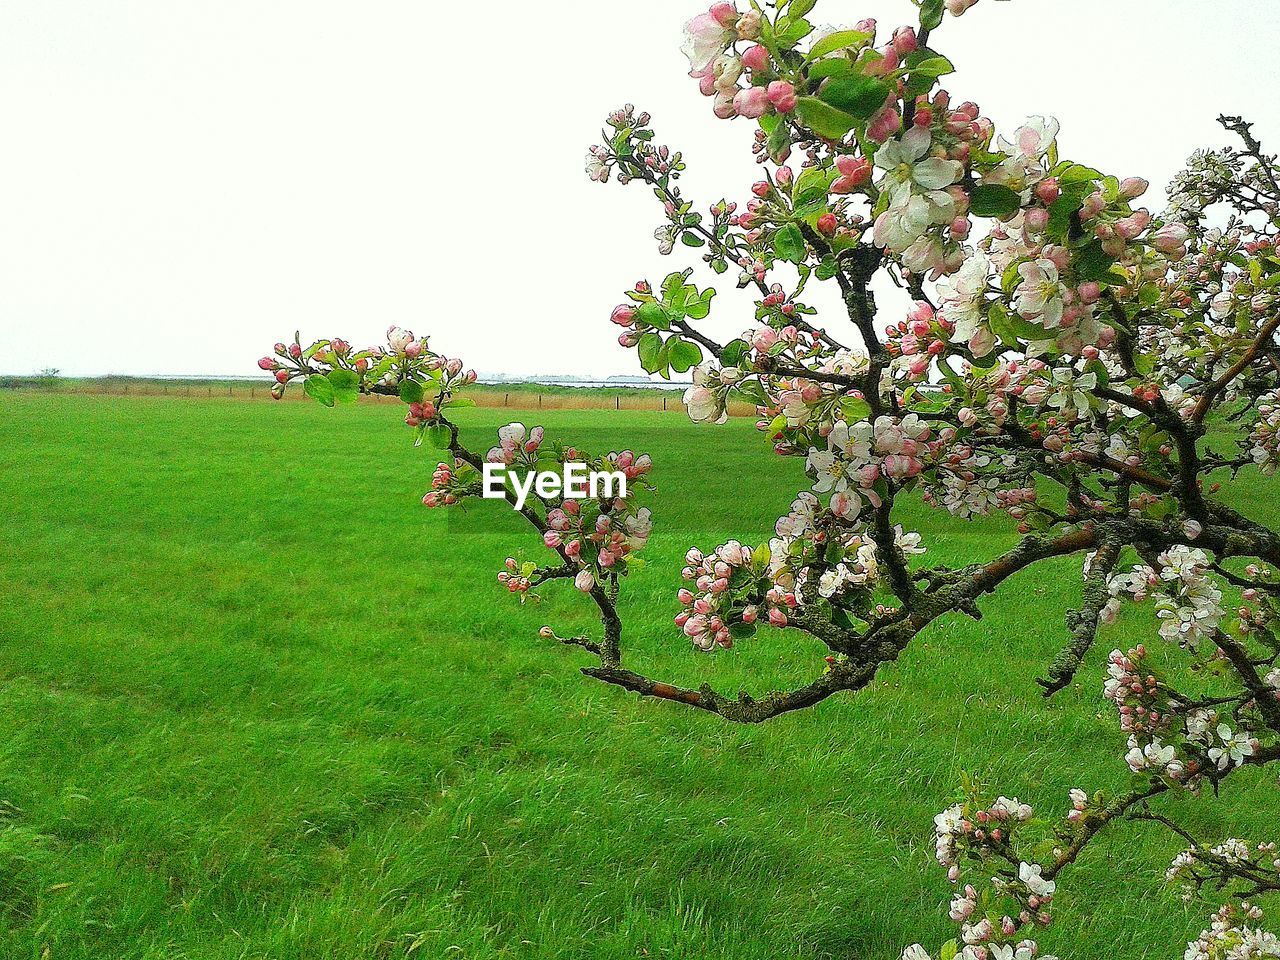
column 1079, row 173
column 812, row 184
column 438, row 436
column 823, row 119
column 319, row 389
column 934, row 65
column 411, row 391
column 788, row 243
column 779, row 141
column 837, row 41
column 1013, row 326
column 733, row 352
column 931, row 19
column 742, row 631
column 346, row 385
column 793, row 30
column 857, row 95
column 684, row 354
column 1060, row 212
column 994, row 200
column 949, row 950
column 854, row 410
column 1091, row 263
column 677, row 296
column 649, row 349
column 831, row 67
column 691, row 239
column 459, row 402
column 698, row 308
column 651, row 313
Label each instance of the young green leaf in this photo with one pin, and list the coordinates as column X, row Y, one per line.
column 994, row 200
column 411, row 391
column 346, row 385
column 319, row 389
column 788, row 243
column 823, row 119
column 855, row 94
column 839, row 40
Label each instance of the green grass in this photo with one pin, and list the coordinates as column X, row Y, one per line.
column 258, row 703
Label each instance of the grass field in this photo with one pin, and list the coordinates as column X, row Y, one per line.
column 258, row 703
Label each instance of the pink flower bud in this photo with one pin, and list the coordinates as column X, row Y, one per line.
column 904, row 40
column 883, row 124
column 756, row 58
column 1133, row 187
column 1047, row 190
column 751, row 103
column 782, row 95
column 1170, row 238
column 725, row 14
column 1090, row 292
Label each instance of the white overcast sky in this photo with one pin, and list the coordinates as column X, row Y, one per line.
column 182, row 183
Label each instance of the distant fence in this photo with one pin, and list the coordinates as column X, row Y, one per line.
column 485, row 395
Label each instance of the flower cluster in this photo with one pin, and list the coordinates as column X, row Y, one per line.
column 987, row 836
column 1233, row 935
column 1222, row 863
column 599, row 537
column 450, row 483
column 1188, row 601
column 1139, row 697
column 858, row 457
column 516, row 446
column 732, row 591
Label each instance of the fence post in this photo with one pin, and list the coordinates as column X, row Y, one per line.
column 506, row 399
column 539, row 401
column 664, row 404
column 617, row 401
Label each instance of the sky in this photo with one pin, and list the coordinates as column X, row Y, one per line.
column 183, row 183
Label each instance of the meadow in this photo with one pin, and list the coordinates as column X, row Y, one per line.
column 259, row 703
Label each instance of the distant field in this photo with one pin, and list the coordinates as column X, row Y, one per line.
column 536, row 396
column 259, row 703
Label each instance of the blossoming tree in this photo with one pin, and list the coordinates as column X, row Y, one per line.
column 1089, row 368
